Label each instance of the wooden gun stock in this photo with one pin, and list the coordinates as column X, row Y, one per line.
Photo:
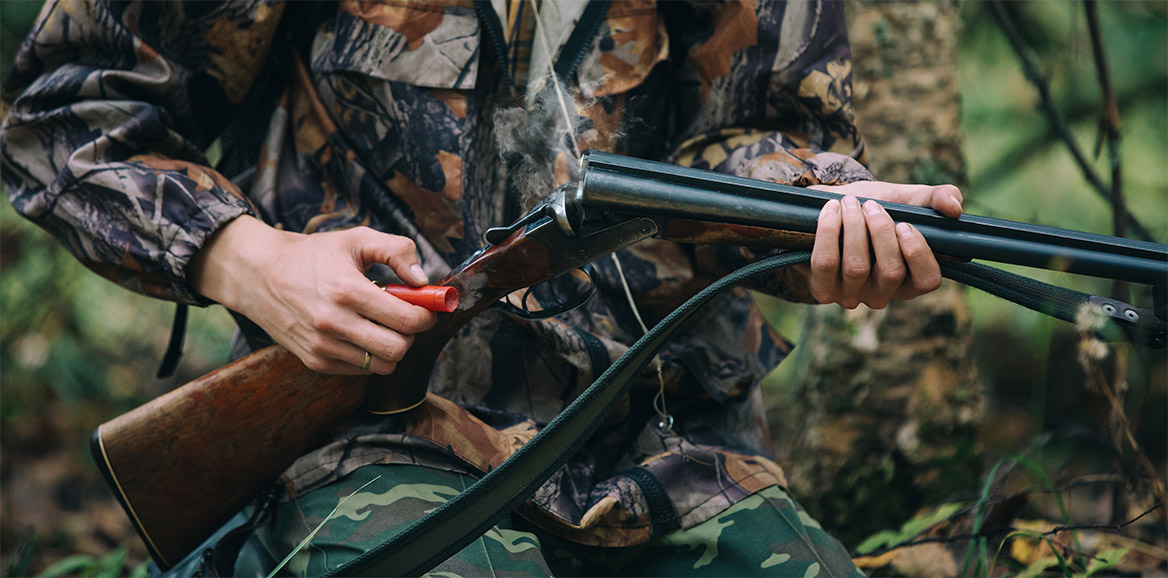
column 209, row 447
column 183, row 464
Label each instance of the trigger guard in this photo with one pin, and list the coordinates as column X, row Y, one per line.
column 562, row 307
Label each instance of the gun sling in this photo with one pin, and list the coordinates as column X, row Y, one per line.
column 460, row 521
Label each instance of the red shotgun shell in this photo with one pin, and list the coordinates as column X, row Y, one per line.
column 431, row 297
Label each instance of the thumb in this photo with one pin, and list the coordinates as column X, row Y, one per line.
column 947, row 199
column 398, row 252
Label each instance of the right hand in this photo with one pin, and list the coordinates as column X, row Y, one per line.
column 309, row 293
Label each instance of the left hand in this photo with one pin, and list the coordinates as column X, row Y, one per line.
column 861, row 256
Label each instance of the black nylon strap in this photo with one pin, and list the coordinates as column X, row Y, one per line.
column 174, row 347
column 664, row 515
column 219, row 560
column 1122, row 322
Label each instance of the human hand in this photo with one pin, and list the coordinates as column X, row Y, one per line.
column 308, row 292
column 861, row 256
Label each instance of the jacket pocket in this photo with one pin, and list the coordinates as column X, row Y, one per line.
column 425, row 44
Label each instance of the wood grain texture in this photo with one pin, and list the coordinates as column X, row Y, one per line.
column 704, row 232
column 187, row 461
column 520, row 261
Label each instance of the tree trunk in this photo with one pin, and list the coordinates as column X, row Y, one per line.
column 883, row 421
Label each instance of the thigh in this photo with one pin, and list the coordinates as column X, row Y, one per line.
column 767, row 534
column 373, row 504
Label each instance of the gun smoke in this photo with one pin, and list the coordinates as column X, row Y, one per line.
column 530, row 140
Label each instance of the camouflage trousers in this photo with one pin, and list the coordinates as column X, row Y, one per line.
column 768, row 534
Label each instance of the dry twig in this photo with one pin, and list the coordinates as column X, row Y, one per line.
column 1056, row 118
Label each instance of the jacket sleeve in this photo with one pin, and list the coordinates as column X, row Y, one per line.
column 107, row 110
column 766, row 93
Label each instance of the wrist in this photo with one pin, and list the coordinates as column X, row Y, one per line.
column 230, row 260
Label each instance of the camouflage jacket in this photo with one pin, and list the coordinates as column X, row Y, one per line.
column 400, row 117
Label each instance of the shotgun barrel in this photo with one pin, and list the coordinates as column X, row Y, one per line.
column 633, row 186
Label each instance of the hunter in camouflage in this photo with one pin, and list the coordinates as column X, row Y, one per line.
column 405, row 118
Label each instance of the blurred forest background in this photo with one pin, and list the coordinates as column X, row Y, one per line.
column 1054, row 484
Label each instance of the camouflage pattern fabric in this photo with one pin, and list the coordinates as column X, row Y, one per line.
column 767, row 534
column 400, row 119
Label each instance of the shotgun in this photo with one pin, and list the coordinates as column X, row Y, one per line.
column 210, row 446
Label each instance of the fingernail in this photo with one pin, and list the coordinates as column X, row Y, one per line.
column 831, row 206
column 850, row 202
column 873, row 208
column 419, row 274
column 904, row 230
column 956, row 199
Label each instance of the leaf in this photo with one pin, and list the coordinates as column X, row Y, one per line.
column 908, row 531
column 1037, row 568
column 1037, row 471
column 914, row 527
column 76, row 565
column 20, row 560
column 930, row 559
column 112, row 565
column 978, row 519
column 1061, row 562
column 141, row 570
column 878, row 540
column 1106, row 559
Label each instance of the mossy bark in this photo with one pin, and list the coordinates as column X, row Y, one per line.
column 883, row 419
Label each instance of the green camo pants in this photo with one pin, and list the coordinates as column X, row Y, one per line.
column 768, row 534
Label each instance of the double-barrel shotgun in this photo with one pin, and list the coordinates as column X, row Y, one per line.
column 209, row 447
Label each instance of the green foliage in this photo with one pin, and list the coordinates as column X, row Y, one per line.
column 73, row 336
column 112, row 565
column 21, row 559
column 984, row 565
column 1017, row 168
column 1104, row 561
column 909, row 530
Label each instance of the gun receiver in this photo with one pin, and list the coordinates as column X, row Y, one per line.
column 208, row 447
